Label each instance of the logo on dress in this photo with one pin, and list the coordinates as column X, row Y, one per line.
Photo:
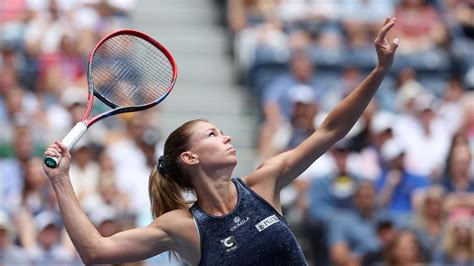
column 267, row 222
column 238, row 222
column 229, row 244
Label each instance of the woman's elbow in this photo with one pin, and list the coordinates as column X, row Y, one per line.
column 88, row 259
column 91, row 255
column 93, row 258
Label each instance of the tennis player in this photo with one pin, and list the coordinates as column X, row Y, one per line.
column 235, row 221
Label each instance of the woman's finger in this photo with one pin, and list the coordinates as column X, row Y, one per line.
column 389, row 23
column 394, row 44
column 63, row 148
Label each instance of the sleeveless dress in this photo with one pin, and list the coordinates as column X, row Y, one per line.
column 254, row 233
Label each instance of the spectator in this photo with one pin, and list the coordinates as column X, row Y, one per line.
column 61, row 68
column 333, row 193
column 397, row 185
column 405, row 250
column 105, row 220
column 364, row 14
column 351, row 76
column 253, row 24
column 420, row 129
column 429, row 218
column 10, row 253
column 380, row 131
column 12, row 169
column 386, row 233
column 35, row 187
column 419, row 26
column 467, row 120
column 276, row 101
column 20, row 108
column 130, row 156
column 458, row 177
column 327, row 196
column 309, row 23
column 86, row 172
column 451, row 105
column 458, row 15
column 458, row 245
column 352, row 234
column 301, row 121
column 49, row 250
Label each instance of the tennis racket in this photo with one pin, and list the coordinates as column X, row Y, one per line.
column 128, row 71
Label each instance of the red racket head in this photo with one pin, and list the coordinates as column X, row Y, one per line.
column 130, row 70
column 127, row 70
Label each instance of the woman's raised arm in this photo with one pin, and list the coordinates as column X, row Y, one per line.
column 279, row 171
column 131, row 245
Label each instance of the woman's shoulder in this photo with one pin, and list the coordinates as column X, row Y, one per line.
column 175, row 218
column 179, row 225
column 175, row 222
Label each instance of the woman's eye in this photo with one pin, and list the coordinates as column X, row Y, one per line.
column 212, row 134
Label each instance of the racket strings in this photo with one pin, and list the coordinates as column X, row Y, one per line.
column 143, row 66
column 129, row 71
column 124, row 72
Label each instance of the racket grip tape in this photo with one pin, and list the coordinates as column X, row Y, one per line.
column 69, row 140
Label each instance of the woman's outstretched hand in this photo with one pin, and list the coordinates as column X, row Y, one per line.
column 385, row 49
column 60, row 151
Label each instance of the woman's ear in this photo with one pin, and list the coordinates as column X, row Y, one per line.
column 189, row 158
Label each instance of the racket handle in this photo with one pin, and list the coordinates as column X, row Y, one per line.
column 69, row 140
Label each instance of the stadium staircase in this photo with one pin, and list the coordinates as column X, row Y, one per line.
column 206, row 86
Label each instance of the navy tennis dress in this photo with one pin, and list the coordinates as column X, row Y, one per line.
column 254, row 233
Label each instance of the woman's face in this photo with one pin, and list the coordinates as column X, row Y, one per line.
column 463, row 232
column 460, row 161
column 433, row 207
column 211, row 147
column 406, row 248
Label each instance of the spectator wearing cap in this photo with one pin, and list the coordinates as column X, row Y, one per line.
column 63, row 114
column 327, row 195
column 10, row 254
column 276, row 102
column 105, row 219
column 48, row 249
column 397, row 185
column 425, row 130
column 303, row 113
column 379, row 131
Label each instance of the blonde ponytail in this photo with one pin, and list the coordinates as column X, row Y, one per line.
column 168, row 180
column 165, row 194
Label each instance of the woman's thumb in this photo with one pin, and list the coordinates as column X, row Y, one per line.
column 395, row 43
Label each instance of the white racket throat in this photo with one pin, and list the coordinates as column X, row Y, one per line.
column 75, row 134
column 70, row 140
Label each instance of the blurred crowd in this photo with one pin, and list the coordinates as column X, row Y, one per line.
column 399, row 188
column 44, row 46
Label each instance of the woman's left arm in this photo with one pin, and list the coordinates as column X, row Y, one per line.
column 282, row 169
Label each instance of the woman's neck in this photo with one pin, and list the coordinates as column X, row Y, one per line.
column 216, row 196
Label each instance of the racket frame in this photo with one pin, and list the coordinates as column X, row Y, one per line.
column 81, row 127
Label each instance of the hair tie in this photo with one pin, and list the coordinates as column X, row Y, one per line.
column 161, row 165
